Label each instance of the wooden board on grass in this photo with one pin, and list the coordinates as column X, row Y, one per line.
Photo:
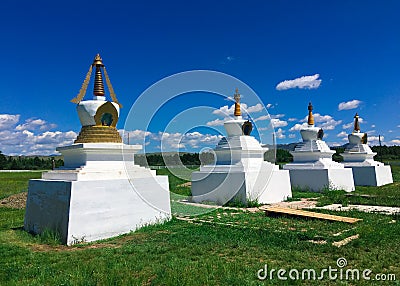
column 307, row 214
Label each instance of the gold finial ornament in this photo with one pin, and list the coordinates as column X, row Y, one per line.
column 236, row 96
column 356, row 123
column 98, row 61
column 310, row 115
column 98, row 89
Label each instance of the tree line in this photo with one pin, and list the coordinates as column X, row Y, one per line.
column 158, row 159
column 28, row 163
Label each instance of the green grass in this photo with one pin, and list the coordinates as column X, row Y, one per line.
column 221, row 247
column 11, row 183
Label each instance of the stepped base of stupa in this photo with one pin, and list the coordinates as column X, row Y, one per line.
column 96, row 195
column 220, row 184
column 378, row 175
column 317, row 180
column 360, row 158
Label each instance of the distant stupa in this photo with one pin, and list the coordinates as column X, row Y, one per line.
column 240, row 173
column 359, row 157
column 312, row 167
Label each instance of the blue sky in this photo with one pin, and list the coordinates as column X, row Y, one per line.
column 339, row 51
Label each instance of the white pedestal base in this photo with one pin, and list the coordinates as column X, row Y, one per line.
column 223, row 183
column 366, row 171
column 313, row 168
column 371, row 175
column 97, row 199
column 317, row 179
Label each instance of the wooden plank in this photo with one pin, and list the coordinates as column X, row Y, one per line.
column 308, row 214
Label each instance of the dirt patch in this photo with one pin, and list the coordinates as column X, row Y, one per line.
column 17, row 201
column 187, row 184
column 302, row 204
column 345, row 241
column 363, row 208
column 318, row 241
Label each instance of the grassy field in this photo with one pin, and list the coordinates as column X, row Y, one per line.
column 11, row 183
column 221, row 247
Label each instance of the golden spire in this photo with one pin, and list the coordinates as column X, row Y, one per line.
column 356, row 123
column 310, row 115
column 98, row 89
column 236, row 96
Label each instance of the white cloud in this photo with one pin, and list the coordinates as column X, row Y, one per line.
column 271, row 116
column 292, row 135
column 352, row 104
column 173, row 141
column 253, row 109
column 135, row 137
column 395, row 141
column 8, row 121
column 351, row 124
column 342, row 134
column 304, row 82
column 35, row 124
column 279, row 134
column 347, row 126
column 326, row 122
column 298, row 127
column 217, row 122
column 262, row 117
column 27, row 143
column 278, row 123
column 375, row 139
column 277, row 115
column 197, row 139
column 227, row 111
column 32, row 137
column 373, row 126
column 292, row 119
column 269, row 105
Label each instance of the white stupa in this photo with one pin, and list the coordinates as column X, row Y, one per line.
column 312, row 167
column 240, row 172
column 99, row 192
column 359, row 157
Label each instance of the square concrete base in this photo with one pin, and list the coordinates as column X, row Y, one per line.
column 83, row 211
column 372, row 175
column 270, row 185
column 318, row 179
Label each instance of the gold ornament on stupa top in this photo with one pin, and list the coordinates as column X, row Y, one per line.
column 356, row 124
column 98, row 117
column 98, row 89
column 310, row 115
column 236, row 96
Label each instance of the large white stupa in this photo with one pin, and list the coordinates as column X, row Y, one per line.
column 312, row 167
column 240, row 173
column 359, row 157
column 99, row 192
